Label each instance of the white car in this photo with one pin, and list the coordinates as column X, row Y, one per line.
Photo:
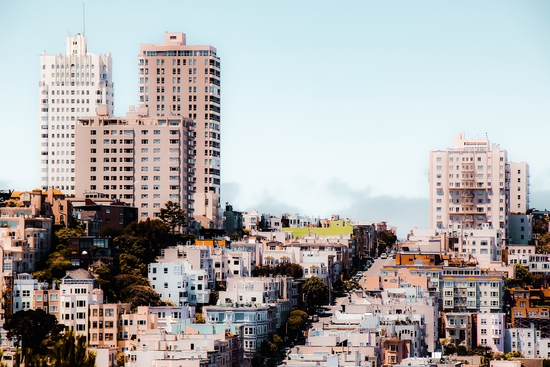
column 384, row 256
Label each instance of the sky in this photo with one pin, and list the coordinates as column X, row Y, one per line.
column 327, row 107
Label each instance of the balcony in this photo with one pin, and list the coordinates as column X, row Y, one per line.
column 467, row 167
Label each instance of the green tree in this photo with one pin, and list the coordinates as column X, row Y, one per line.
column 199, row 318
column 131, row 264
column 512, row 355
column 174, row 216
column 288, row 269
column 143, row 295
column 277, row 339
column 540, row 226
column 120, row 359
column 299, row 313
column 351, row 285
column 136, row 290
column 543, row 246
column 387, row 236
column 523, row 274
column 385, row 239
column 147, row 237
column 64, row 234
column 297, row 319
column 71, row 351
column 316, row 292
column 449, row 349
column 294, row 323
column 33, row 330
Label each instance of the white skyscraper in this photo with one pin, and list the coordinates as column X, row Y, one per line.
column 71, row 86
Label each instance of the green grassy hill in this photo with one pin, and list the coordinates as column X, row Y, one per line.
column 332, row 231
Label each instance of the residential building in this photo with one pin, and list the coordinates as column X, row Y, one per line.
column 23, row 294
column 469, row 185
column 255, row 319
column 142, row 160
column 490, row 330
column 104, row 325
column 519, row 254
column 482, row 244
column 180, row 277
column 72, row 85
column 458, row 328
column 364, row 239
column 251, row 291
column 252, row 221
column 232, row 221
column 521, row 229
column 472, row 289
column 527, row 341
column 25, row 228
column 177, row 79
column 405, row 313
column 519, row 187
column 77, row 292
column 157, row 348
column 530, row 308
column 540, row 264
column 96, row 216
column 394, row 350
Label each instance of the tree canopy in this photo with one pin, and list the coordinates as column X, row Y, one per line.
column 174, row 216
column 71, row 351
column 351, row 285
column 33, row 330
column 316, row 292
column 285, row 268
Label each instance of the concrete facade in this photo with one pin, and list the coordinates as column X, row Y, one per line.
column 72, row 85
column 468, row 185
column 176, row 79
column 142, row 160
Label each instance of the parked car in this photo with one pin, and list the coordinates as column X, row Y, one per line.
column 321, row 311
column 315, row 318
column 384, row 256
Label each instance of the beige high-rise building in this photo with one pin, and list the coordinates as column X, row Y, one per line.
column 146, row 161
column 176, row 79
column 72, row 85
column 469, row 185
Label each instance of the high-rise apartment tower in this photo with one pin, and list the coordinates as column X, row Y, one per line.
column 71, row 86
column 470, row 185
column 146, row 161
column 176, row 79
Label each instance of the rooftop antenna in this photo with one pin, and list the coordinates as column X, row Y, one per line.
column 83, row 18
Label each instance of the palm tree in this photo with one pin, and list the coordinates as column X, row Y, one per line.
column 71, row 351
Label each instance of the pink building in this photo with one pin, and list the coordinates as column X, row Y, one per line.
column 142, row 160
column 176, row 79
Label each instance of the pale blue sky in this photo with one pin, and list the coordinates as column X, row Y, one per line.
column 327, row 107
